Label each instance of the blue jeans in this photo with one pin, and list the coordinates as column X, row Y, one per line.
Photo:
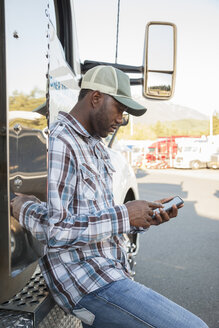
column 128, row 304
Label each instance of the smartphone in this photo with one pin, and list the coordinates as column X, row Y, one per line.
column 167, row 206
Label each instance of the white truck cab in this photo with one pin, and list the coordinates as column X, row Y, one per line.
column 194, row 154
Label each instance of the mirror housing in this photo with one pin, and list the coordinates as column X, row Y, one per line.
column 160, row 60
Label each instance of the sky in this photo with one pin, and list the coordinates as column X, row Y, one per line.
column 197, row 21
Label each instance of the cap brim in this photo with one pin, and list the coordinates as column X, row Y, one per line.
column 133, row 107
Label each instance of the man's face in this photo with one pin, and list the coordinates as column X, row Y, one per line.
column 107, row 117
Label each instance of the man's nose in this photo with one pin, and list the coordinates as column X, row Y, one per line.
column 119, row 119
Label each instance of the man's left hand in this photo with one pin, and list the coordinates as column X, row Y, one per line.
column 164, row 216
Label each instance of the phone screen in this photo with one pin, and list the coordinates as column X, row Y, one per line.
column 175, row 201
column 167, row 206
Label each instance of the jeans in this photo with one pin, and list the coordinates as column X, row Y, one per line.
column 128, row 304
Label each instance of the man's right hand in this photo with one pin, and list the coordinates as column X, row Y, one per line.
column 141, row 211
column 18, row 201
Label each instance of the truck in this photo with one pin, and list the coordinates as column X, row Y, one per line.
column 195, row 154
column 40, row 75
column 214, row 161
column 163, row 150
column 161, row 153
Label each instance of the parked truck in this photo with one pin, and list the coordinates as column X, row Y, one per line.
column 40, row 75
column 162, row 152
column 163, row 149
column 196, row 153
column 214, row 161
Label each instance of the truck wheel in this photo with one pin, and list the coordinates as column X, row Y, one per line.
column 195, row 165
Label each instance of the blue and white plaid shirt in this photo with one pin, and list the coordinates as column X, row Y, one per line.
column 80, row 225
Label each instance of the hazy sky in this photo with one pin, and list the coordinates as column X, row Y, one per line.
column 197, row 21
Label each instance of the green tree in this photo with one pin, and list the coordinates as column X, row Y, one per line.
column 20, row 101
column 140, row 132
column 187, row 127
column 159, row 129
column 216, row 124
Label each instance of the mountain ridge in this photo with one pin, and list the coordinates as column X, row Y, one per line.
column 165, row 111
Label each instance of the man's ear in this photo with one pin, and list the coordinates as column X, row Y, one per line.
column 96, row 99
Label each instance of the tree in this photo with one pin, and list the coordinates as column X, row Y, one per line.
column 159, row 129
column 27, row 102
column 20, row 101
column 187, row 127
column 216, row 124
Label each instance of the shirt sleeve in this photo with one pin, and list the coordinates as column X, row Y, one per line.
column 33, row 217
column 63, row 229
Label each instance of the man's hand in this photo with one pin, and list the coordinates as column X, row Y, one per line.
column 174, row 211
column 141, row 211
column 18, row 201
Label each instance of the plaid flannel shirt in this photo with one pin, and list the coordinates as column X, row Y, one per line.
column 81, row 227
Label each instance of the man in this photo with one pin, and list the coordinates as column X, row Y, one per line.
column 85, row 264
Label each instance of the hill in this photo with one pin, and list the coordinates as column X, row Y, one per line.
column 165, row 111
column 164, row 119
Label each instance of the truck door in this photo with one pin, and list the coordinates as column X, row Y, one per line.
column 40, row 74
column 25, row 152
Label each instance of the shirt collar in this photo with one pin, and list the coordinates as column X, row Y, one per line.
column 78, row 127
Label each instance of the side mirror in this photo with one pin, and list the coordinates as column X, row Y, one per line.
column 160, row 60
column 125, row 119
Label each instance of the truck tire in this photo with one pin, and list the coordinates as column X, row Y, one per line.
column 195, row 165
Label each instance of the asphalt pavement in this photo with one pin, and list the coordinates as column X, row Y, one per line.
column 180, row 259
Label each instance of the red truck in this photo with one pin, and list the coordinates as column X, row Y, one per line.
column 162, row 152
column 164, row 148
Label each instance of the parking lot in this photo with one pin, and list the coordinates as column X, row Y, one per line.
column 180, row 259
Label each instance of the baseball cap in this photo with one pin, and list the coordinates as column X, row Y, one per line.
column 113, row 82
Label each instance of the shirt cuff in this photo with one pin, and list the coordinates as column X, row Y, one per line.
column 23, row 217
column 122, row 220
column 137, row 229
